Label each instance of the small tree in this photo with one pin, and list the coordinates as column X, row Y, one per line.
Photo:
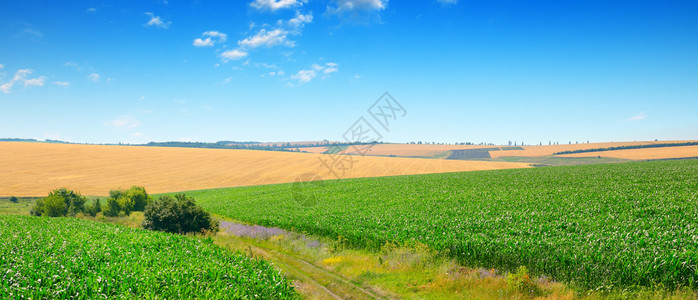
column 139, row 196
column 54, row 206
column 112, row 209
column 178, row 214
column 14, row 199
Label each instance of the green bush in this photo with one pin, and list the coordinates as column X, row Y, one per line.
column 113, row 207
column 139, row 197
column 133, row 199
column 14, row 199
column 178, row 214
column 73, row 203
column 93, row 208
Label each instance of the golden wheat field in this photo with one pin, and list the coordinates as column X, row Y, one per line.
column 531, row 151
column 645, row 153
column 34, row 169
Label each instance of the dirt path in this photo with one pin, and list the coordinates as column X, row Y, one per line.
column 315, row 282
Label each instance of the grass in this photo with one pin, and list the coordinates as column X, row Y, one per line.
column 66, row 258
column 602, row 227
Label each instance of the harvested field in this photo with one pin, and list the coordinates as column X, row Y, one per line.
column 550, row 150
column 408, row 150
column 34, row 169
column 644, row 153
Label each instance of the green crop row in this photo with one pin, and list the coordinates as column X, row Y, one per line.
column 67, row 258
column 596, row 226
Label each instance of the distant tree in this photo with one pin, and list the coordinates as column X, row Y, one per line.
column 14, row 199
column 139, row 196
column 178, row 214
column 54, row 206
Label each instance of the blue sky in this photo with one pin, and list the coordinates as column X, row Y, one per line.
column 292, row 70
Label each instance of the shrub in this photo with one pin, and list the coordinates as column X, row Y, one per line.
column 73, row 203
column 178, row 214
column 54, row 206
column 139, row 196
column 93, row 208
column 113, row 207
column 133, row 199
column 14, row 199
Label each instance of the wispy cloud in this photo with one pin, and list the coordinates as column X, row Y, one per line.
column 274, row 5
column 279, row 35
column 233, row 55
column 91, row 10
column 210, row 38
column 357, row 11
column 638, row 117
column 39, row 81
column 61, row 83
column 267, row 38
column 21, row 77
column 94, row 77
column 157, row 21
column 72, row 65
column 447, row 2
column 125, row 122
column 305, row 76
column 2, row 66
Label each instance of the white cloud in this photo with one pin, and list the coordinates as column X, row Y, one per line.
column 127, row 122
column 157, row 21
column 638, row 117
column 267, row 38
column 298, row 22
column 361, row 11
column 211, row 38
column 447, row 2
column 91, row 10
column 61, row 83
column 276, row 4
column 2, row 66
column 39, row 81
column 233, row 55
column 94, row 77
column 278, row 35
column 73, row 65
column 21, row 78
column 304, row 76
column 6, row 87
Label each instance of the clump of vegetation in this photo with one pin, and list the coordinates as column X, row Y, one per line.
column 126, row 201
column 521, row 282
column 71, row 258
column 14, row 199
column 178, row 214
column 60, row 202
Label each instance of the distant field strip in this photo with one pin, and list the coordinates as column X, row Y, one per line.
column 471, row 153
column 546, row 150
column 643, row 153
column 34, row 169
column 594, row 226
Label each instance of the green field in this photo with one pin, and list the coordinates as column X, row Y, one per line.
column 593, row 226
column 68, row 258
